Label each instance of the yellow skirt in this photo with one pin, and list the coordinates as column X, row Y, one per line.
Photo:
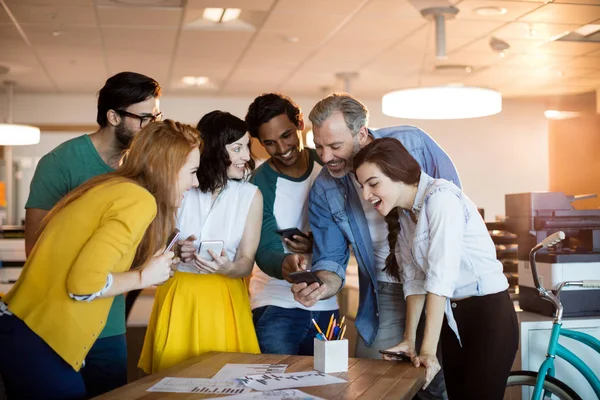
column 194, row 314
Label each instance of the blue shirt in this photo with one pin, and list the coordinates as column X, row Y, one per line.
column 338, row 221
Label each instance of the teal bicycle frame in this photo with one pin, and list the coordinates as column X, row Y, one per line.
column 555, row 348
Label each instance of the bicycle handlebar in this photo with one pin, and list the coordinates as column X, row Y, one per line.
column 553, row 239
column 545, row 294
column 591, row 284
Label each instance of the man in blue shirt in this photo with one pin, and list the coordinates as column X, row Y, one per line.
column 341, row 219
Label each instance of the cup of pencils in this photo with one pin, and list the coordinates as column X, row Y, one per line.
column 331, row 349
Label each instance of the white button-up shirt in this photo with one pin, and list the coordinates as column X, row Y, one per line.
column 448, row 251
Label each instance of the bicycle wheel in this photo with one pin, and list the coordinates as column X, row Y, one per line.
column 558, row 389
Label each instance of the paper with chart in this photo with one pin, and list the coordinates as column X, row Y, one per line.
column 290, row 380
column 198, row 385
column 231, row 372
column 287, row 394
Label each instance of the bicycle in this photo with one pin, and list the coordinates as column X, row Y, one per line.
column 544, row 380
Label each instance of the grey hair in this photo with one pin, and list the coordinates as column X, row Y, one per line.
column 355, row 113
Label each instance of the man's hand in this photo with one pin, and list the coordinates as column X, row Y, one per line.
column 187, row 250
column 309, row 295
column 292, row 263
column 300, row 244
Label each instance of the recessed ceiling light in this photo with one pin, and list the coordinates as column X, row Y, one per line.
column 221, row 14
column 490, row 11
column 195, row 80
column 587, row 30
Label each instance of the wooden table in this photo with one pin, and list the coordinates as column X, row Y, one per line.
column 367, row 379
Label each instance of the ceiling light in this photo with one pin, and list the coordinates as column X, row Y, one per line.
column 230, row 14
column 490, row 11
column 555, row 114
column 588, row 29
column 442, row 102
column 18, row 135
column 221, row 14
column 195, row 80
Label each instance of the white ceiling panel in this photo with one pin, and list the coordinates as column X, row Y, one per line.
column 298, row 46
column 134, row 40
column 55, row 16
column 44, row 36
column 77, row 75
column 516, row 46
column 390, row 9
column 318, row 8
column 148, row 18
column 257, row 5
column 583, row 61
column 533, row 30
column 146, row 65
column 513, row 9
column 216, row 45
column 564, row 14
column 534, row 60
column 567, row 48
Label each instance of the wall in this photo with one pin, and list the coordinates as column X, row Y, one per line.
column 505, row 153
column 575, row 158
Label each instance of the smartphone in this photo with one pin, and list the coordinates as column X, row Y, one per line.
column 214, row 245
column 398, row 354
column 290, row 233
column 172, row 240
column 307, row 277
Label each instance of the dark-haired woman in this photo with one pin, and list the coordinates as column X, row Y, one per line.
column 205, row 307
column 448, row 262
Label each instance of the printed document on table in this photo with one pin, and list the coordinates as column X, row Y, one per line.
column 231, row 372
column 290, row 380
column 287, row 394
column 198, row 385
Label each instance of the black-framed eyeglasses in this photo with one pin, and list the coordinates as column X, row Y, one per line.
column 144, row 119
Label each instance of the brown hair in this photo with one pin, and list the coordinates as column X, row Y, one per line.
column 392, row 158
column 157, row 154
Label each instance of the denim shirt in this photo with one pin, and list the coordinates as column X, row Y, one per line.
column 338, row 221
column 448, row 251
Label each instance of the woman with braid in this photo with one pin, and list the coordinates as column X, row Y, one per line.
column 448, row 259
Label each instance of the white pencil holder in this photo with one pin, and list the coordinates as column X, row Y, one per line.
column 331, row 356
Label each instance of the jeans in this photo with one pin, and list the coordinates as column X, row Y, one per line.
column 289, row 330
column 392, row 323
column 31, row 369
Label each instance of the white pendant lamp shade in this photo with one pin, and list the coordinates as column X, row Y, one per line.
column 442, row 102
column 17, row 135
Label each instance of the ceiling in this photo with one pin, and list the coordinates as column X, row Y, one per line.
column 297, row 46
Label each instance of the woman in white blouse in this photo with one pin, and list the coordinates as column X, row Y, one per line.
column 448, row 262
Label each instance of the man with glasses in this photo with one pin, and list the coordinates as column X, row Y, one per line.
column 127, row 102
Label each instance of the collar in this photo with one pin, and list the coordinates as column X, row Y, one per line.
column 424, row 182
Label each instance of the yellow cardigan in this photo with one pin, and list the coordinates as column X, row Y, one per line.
column 95, row 235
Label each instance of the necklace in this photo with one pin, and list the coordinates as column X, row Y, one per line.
column 306, row 160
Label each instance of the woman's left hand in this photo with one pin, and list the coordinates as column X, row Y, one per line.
column 431, row 364
column 219, row 265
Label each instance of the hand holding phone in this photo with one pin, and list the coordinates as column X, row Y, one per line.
column 172, row 240
column 290, row 233
column 215, row 245
column 399, row 355
column 307, row 277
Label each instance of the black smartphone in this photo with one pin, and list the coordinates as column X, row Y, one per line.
column 307, row 277
column 290, row 232
column 398, row 354
column 172, row 240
